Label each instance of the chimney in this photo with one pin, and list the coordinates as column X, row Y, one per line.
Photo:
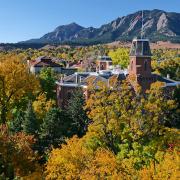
column 168, row 76
column 80, row 79
column 76, row 78
column 61, row 79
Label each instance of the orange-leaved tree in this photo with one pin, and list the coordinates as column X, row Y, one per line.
column 16, row 155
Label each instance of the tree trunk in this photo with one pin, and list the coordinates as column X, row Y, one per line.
column 3, row 115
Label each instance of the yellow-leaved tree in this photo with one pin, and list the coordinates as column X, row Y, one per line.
column 126, row 133
column 76, row 161
column 42, row 105
column 120, row 57
column 167, row 168
column 15, row 83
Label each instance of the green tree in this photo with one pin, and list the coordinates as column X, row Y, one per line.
column 16, row 124
column 47, row 80
column 77, row 113
column 55, row 128
column 30, row 123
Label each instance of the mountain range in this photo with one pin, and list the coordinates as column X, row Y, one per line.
column 158, row 25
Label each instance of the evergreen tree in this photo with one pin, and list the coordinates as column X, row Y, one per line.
column 55, row 128
column 77, row 114
column 30, row 124
column 16, row 124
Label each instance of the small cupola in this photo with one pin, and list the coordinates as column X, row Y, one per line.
column 104, row 63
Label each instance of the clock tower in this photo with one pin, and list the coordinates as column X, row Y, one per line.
column 140, row 63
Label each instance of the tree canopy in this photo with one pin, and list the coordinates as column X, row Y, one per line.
column 120, row 57
column 125, row 139
column 15, row 83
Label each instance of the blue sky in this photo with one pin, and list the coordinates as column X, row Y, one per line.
column 26, row 19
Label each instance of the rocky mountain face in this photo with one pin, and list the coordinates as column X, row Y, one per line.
column 158, row 25
column 63, row 33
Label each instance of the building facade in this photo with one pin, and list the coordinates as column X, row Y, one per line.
column 104, row 63
column 57, row 65
column 139, row 72
column 140, row 64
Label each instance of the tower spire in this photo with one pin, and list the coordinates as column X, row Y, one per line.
column 142, row 27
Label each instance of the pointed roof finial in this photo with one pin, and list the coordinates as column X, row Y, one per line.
column 142, row 28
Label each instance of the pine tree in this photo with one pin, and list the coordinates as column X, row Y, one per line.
column 77, row 114
column 30, row 124
column 55, row 128
column 16, row 125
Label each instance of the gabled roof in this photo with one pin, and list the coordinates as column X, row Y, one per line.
column 95, row 79
column 83, row 79
column 75, row 78
column 44, row 61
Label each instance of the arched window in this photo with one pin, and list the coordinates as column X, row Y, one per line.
column 102, row 67
column 131, row 65
column 145, row 65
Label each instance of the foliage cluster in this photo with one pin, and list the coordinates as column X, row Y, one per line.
column 119, row 133
column 30, row 122
column 127, row 138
